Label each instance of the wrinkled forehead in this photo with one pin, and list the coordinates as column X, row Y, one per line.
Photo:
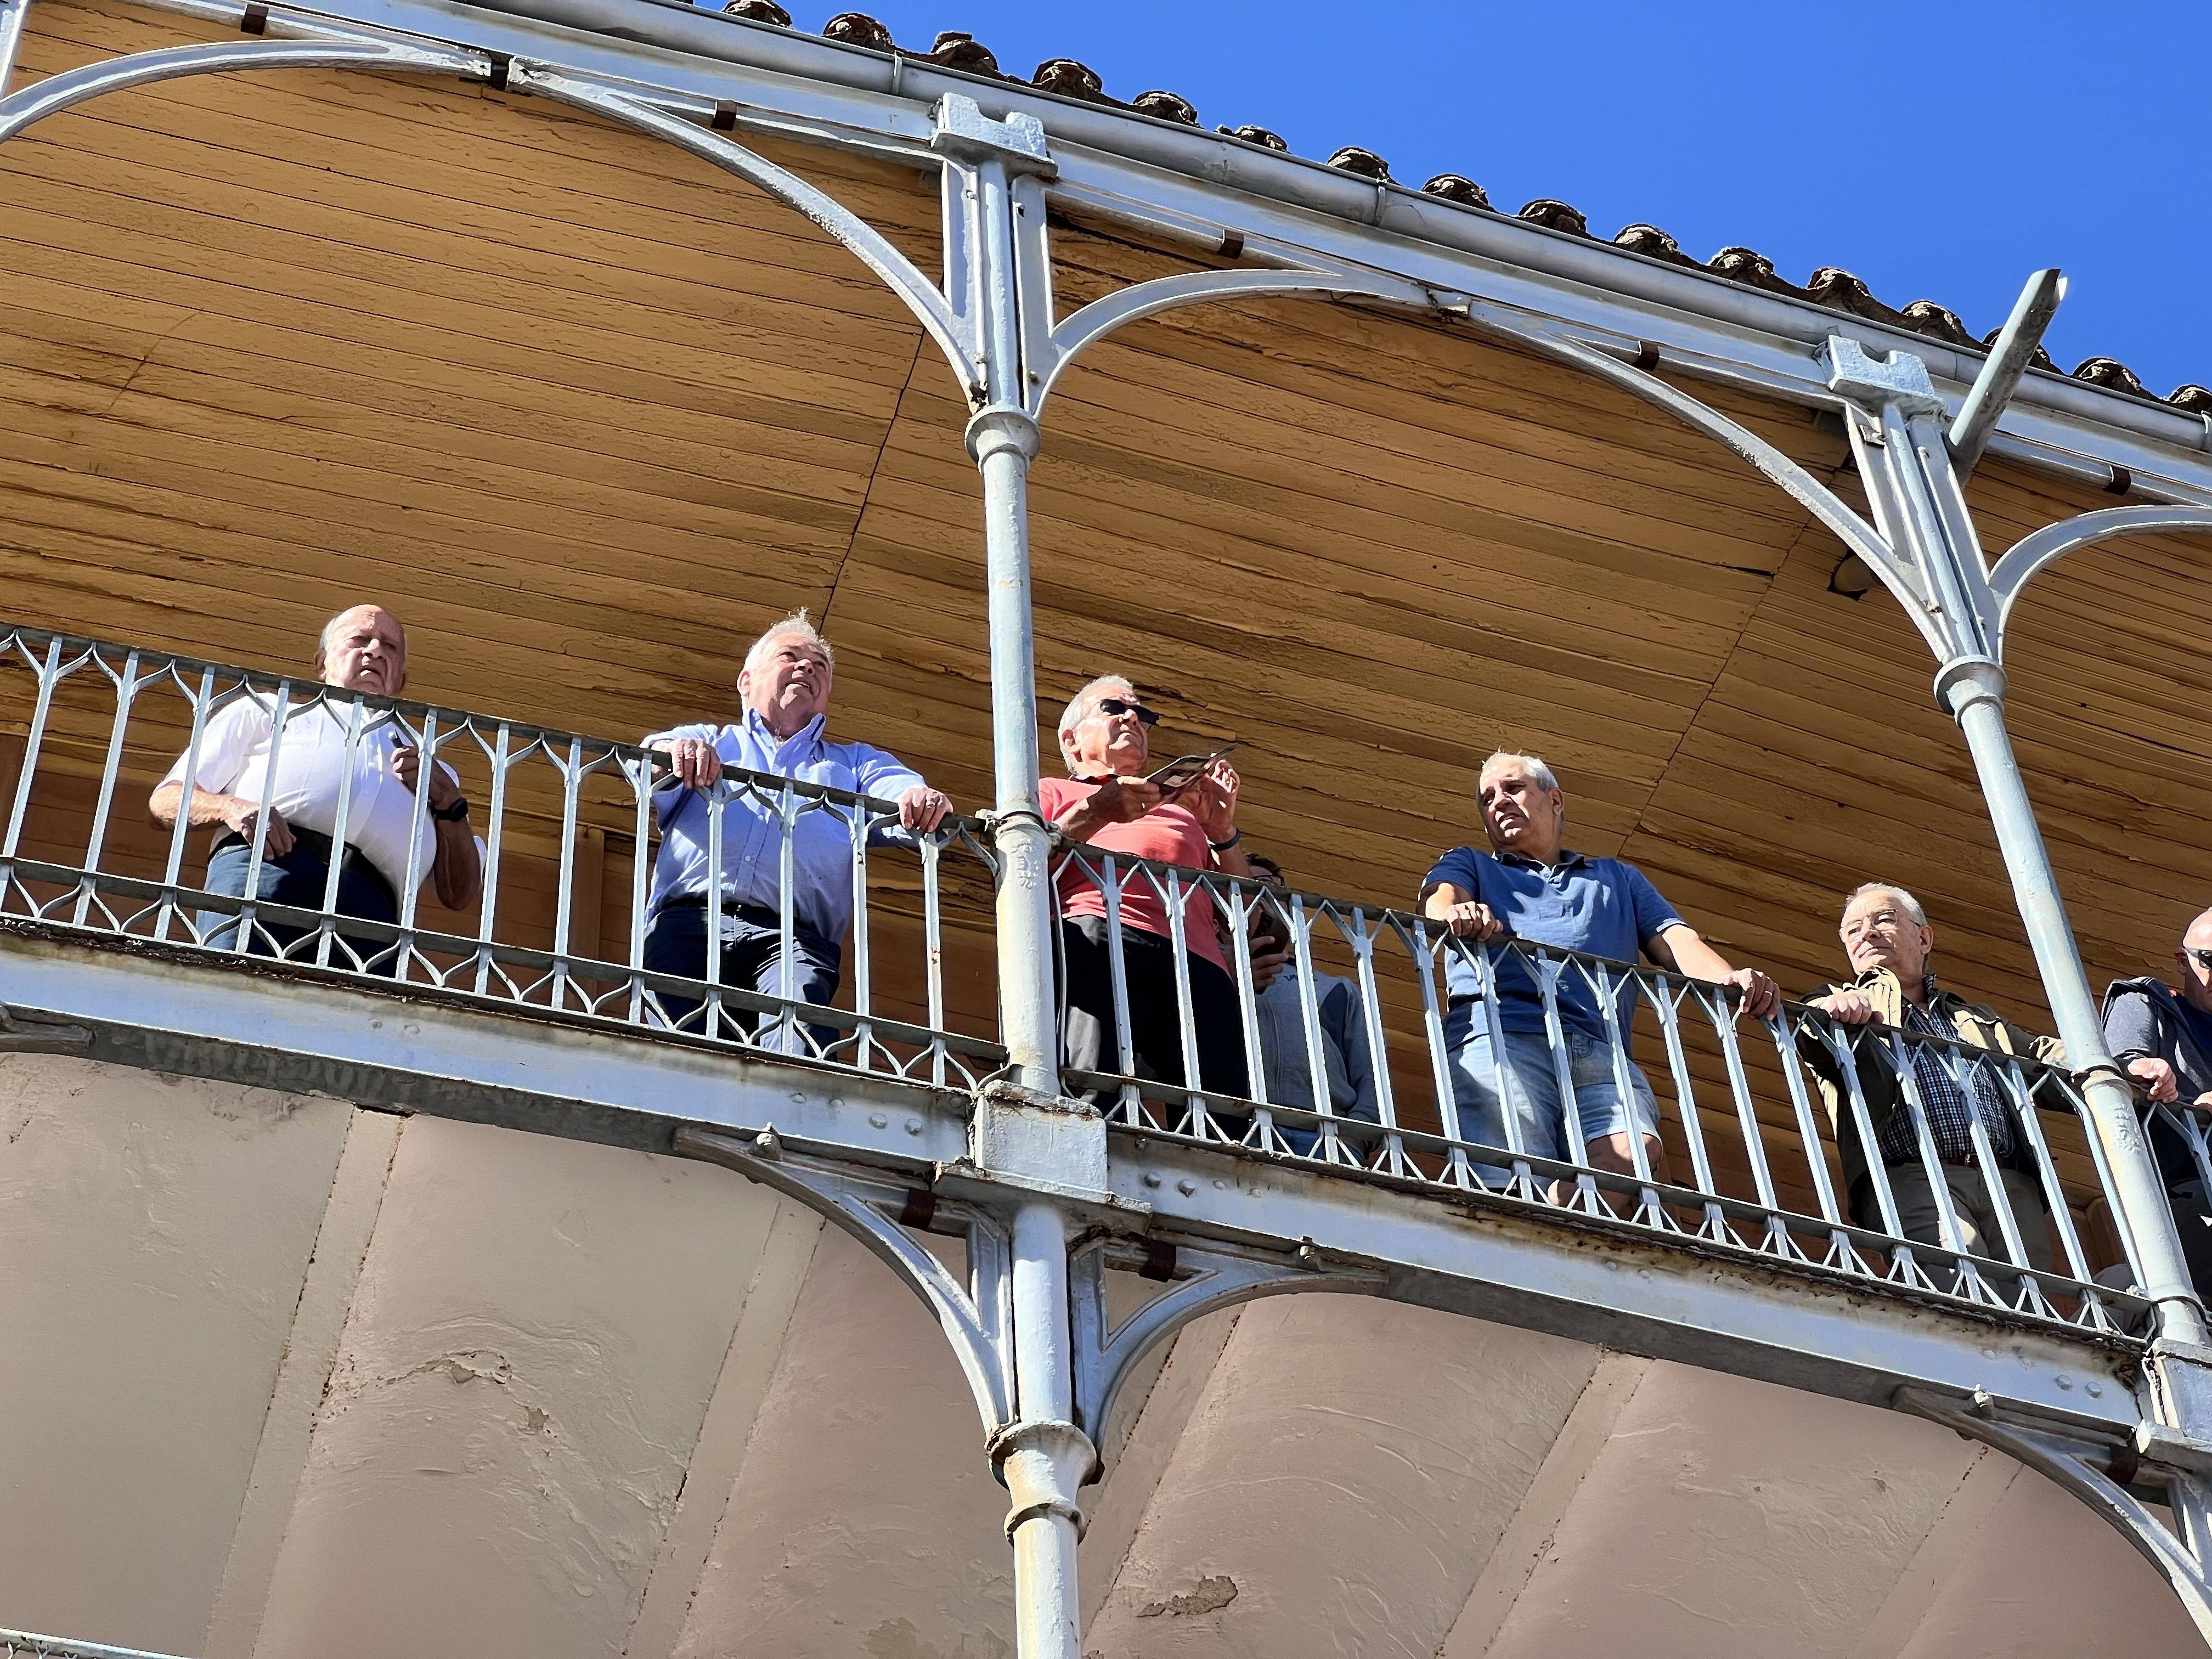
column 777, row 645
column 365, row 620
column 1511, row 775
column 1869, row 904
column 1105, row 688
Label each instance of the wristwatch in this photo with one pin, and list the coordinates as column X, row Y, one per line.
column 457, row 813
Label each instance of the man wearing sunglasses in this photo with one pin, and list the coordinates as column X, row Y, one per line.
column 1107, row 802
column 2164, row 1038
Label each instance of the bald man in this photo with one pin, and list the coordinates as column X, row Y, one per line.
column 2164, row 1038
column 362, row 650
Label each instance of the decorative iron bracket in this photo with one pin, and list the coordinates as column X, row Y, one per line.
column 2110, row 1476
column 1200, row 1281
column 878, row 1209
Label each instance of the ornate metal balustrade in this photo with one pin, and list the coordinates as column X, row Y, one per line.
column 98, row 721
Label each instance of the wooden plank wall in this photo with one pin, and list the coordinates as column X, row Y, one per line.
column 588, row 414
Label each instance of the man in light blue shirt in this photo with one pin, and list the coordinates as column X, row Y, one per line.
column 1531, row 887
column 785, row 688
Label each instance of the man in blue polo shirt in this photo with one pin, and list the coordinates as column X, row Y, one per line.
column 1529, row 886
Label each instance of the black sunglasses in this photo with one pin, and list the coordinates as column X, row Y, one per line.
column 1111, row 706
column 2203, row 957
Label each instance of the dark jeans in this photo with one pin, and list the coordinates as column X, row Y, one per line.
column 751, row 958
column 1086, row 1016
column 297, row 879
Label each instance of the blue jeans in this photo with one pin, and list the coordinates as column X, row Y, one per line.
column 751, row 958
column 1533, row 1088
column 297, row 879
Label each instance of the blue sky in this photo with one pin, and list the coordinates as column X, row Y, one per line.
column 1940, row 150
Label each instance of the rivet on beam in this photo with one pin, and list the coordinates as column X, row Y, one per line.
column 726, row 116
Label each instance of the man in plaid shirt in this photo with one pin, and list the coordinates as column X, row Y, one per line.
column 1887, row 936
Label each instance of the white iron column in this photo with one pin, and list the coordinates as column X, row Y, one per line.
column 1003, row 440
column 1044, row 1458
column 1972, row 689
column 12, row 13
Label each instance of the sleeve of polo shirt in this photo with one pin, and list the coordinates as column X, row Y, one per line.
column 225, row 741
column 666, row 801
column 2131, row 1028
column 1460, row 868
column 1654, row 915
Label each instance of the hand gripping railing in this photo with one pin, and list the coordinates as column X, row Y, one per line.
column 1334, row 1045
column 93, row 726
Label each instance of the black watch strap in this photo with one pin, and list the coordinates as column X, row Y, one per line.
column 457, row 813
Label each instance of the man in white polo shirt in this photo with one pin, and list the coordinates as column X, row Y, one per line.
column 363, row 650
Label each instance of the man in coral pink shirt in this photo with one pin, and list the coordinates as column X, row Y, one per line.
column 1105, row 740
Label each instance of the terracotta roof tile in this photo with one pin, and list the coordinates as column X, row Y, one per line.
column 1557, row 214
column 1830, row 287
column 1457, row 187
column 1364, row 162
column 1167, row 106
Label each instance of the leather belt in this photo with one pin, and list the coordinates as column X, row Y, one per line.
column 353, row 863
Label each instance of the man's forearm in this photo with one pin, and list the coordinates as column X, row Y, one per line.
column 207, row 807
column 1692, row 955
column 455, row 870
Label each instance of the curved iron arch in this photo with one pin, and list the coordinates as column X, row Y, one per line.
column 78, row 86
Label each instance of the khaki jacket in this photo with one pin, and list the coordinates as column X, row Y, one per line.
column 1976, row 1024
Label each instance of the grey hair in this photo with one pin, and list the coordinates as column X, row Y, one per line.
column 330, row 627
column 797, row 625
column 1539, row 774
column 1078, row 706
column 1905, row 901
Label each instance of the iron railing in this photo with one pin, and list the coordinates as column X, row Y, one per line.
column 99, row 723
column 92, row 726
column 24, row 1644
column 1739, row 1104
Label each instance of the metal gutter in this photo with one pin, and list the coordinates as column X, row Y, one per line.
column 1220, row 163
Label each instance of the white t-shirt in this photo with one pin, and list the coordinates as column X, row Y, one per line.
column 311, row 765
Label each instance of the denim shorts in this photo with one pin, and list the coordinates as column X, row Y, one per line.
column 1532, row 1085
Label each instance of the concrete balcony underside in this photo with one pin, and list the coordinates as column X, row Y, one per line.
column 286, row 1377
column 1730, row 1310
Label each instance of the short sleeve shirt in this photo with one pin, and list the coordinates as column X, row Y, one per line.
column 382, row 813
column 1168, row 834
column 1602, row 907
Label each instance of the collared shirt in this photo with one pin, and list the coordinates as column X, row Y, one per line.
column 311, row 768
column 1603, row 907
column 752, row 825
column 1168, row 834
column 1943, row 1099
column 1289, row 1067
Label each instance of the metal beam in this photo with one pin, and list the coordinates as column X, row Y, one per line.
column 257, row 1023
column 2009, row 359
column 1593, row 1286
